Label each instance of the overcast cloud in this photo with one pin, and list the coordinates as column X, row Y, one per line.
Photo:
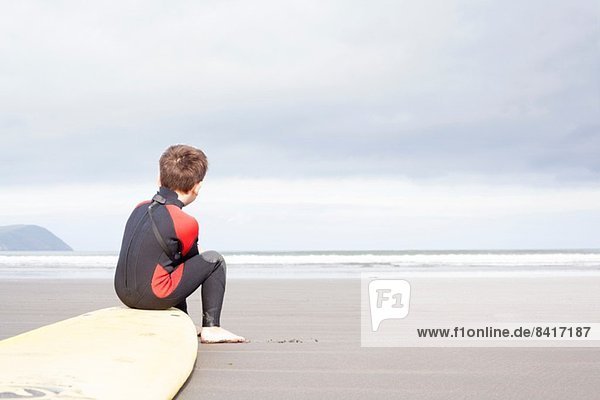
column 426, row 92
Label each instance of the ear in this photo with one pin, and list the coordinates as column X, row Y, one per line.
column 196, row 188
column 158, row 181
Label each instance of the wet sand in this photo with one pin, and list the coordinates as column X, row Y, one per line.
column 305, row 343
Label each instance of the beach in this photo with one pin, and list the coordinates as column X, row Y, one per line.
column 305, row 343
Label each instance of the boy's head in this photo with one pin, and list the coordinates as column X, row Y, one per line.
column 182, row 167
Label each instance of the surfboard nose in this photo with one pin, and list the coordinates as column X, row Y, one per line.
column 112, row 353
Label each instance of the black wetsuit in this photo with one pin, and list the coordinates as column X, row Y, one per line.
column 148, row 277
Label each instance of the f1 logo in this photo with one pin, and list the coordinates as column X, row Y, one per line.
column 388, row 299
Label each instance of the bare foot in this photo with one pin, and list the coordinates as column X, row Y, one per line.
column 216, row 334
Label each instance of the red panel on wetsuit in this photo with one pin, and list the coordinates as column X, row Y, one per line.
column 186, row 228
column 163, row 283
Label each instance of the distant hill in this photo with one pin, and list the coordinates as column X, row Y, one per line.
column 30, row 238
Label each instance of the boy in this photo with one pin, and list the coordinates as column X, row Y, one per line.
column 159, row 263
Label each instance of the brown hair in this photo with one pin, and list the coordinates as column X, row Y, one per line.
column 181, row 167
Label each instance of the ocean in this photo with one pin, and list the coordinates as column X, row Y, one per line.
column 324, row 264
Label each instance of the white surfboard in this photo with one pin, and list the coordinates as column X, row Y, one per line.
column 114, row 353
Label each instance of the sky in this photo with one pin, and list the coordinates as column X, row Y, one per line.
column 328, row 125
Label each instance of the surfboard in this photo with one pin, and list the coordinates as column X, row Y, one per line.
column 113, row 353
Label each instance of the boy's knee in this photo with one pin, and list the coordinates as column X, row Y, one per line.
column 213, row 257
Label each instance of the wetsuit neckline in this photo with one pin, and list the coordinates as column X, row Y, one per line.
column 170, row 196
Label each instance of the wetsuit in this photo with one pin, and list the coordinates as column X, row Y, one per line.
column 149, row 277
